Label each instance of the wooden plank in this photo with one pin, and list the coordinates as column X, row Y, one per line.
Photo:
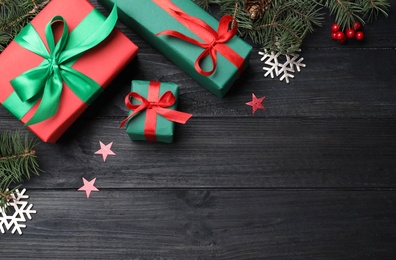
column 228, row 152
column 207, row 224
column 334, row 84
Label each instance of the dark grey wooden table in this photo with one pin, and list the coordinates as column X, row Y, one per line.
column 311, row 177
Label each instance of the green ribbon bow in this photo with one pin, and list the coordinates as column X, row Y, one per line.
column 46, row 80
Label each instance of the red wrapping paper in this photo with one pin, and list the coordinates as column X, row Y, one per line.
column 101, row 64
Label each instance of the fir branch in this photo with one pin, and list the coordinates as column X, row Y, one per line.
column 346, row 12
column 206, row 3
column 282, row 27
column 285, row 24
column 17, row 162
column 372, row 8
column 16, row 156
column 14, row 15
column 6, row 195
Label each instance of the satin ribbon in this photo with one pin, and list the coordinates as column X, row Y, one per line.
column 222, row 36
column 158, row 106
column 46, row 80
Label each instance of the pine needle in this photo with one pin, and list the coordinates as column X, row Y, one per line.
column 205, row 4
column 285, row 24
column 17, row 162
column 14, row 15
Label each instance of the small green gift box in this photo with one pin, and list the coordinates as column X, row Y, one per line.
column 205, row 48
column 153, row 113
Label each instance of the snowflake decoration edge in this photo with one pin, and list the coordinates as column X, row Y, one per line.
column 284, row 70
column 23, row 210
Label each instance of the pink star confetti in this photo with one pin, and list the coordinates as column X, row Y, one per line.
column 105, row 150
column 88, row 187
column 256, row 103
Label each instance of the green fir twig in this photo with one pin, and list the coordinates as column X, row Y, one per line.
column 205, row 4
column 14, row 15
column 285, row 24
column 373, row 8
column 18, row 162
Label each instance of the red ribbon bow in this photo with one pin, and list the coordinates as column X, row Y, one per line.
column 222, row 35
column 160, row 107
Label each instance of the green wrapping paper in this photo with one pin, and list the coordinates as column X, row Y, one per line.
column 149, row 18
column 153, row 113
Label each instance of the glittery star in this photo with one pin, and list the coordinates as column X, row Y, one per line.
column 256, row 103
column 88, row 186
column 105, row 150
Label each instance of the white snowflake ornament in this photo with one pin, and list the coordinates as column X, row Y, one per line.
column 14, row 216
column 280, row 64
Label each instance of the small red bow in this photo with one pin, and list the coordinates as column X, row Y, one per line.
column 160, row 107
column 222, row 35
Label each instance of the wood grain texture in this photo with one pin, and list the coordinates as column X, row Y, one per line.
column 311, row 177
column 219, row 152
column 203, row 224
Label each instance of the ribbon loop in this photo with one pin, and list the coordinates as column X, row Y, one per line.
column 222, row 36
column 160, row 106
column 223, row 30
column 46, row 80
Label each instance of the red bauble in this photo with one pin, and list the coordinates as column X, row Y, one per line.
column 335, row 27
column 356, row 26
column 340, row 36
column 350, row 33
column 334, row 36
column 359, row 35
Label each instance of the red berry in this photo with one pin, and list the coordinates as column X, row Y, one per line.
column 340, row 36
column 356, row 26
column 335, row 27
column 334, row 36
column 350, row 33
column 359, row 35
column 342, row 40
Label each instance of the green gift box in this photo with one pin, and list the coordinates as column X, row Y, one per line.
column 190, row 37
column 153, row 113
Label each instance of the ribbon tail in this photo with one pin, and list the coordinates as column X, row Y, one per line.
column 50, row 102
column 126, row 120
column 136, row 112
column 173, row 115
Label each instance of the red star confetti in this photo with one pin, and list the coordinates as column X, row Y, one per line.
column 105, row 150
column 88, row 187
column 256, row 103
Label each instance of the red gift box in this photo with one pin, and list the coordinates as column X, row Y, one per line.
column 101, row 63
